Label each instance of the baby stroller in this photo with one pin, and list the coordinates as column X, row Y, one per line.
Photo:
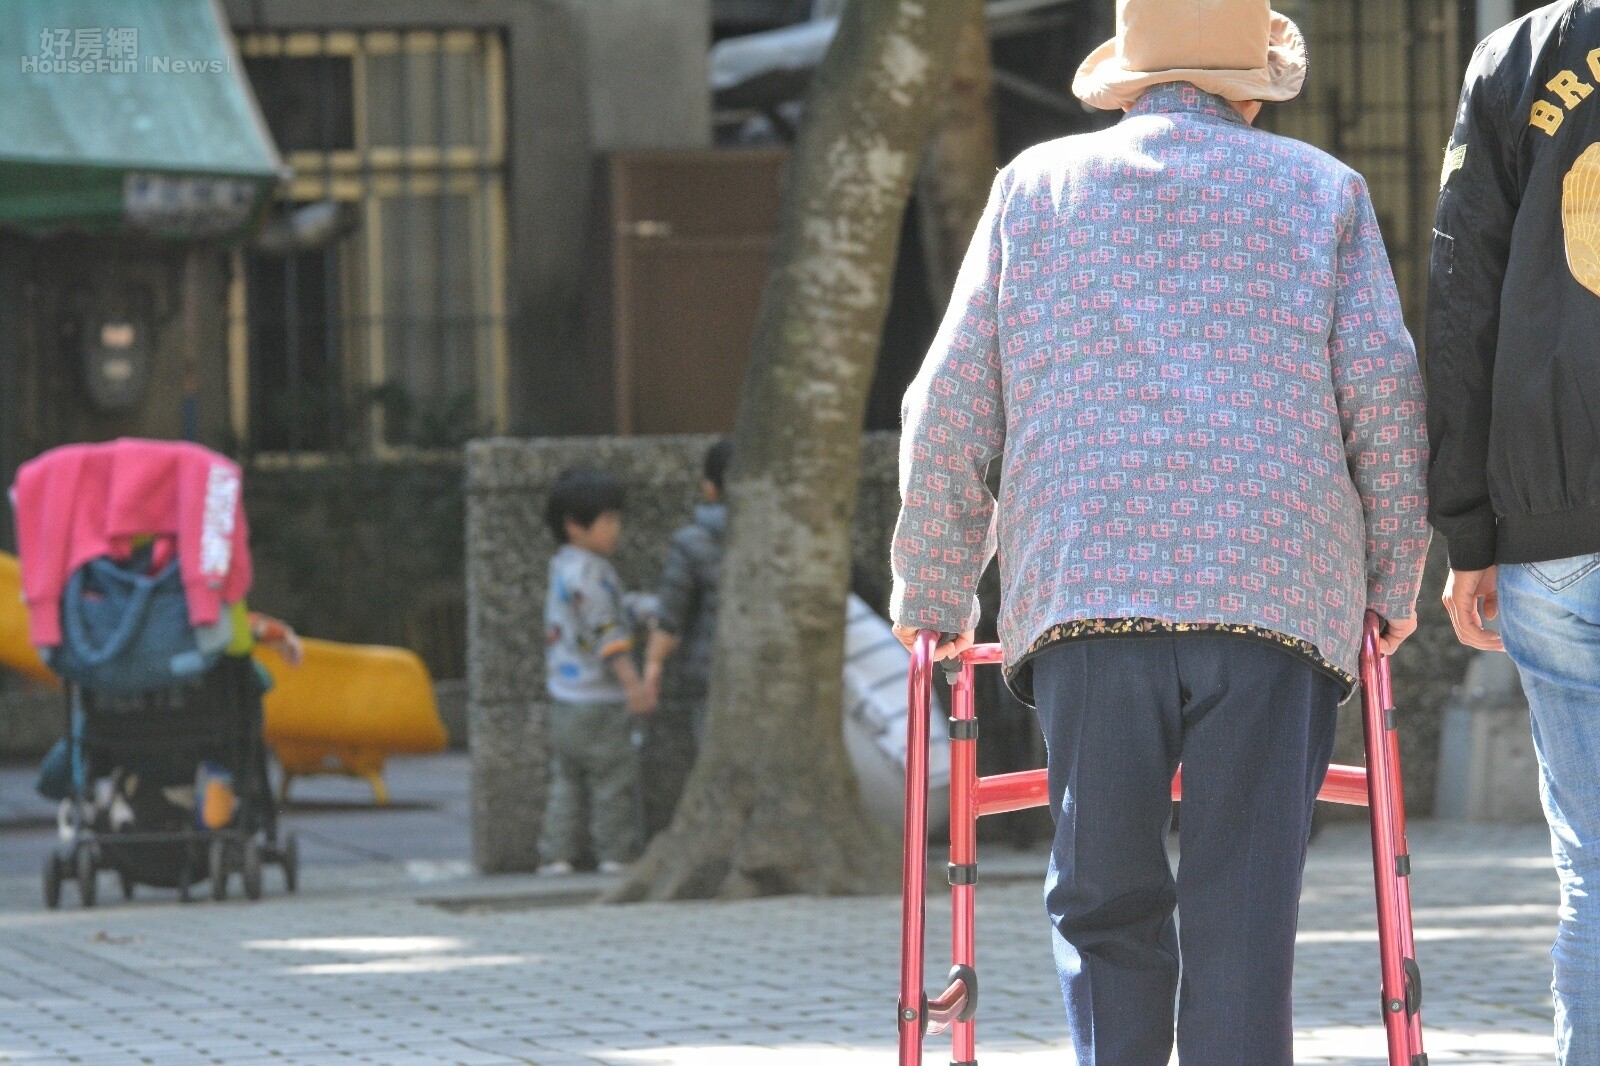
column 140, row 768
column 954, row 1009
column 135, row 561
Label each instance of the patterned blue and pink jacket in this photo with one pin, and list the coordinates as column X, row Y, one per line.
column 1181, row 340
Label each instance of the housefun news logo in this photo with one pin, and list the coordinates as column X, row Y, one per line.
column 107, row 50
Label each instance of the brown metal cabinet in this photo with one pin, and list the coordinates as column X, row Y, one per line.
column 692, row 234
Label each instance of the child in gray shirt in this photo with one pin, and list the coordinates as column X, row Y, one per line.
column 595, row 690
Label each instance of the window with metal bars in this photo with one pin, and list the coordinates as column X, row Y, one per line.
column 370, row 313
column 1381, row 96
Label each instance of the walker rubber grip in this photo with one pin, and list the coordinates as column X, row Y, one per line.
column 969, row 978
column 963, row 873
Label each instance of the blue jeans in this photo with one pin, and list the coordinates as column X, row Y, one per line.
column 1253, row 725
column 1551, row 627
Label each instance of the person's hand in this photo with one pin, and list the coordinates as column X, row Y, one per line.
column 948, row 650
column 641, row 700
column 652, row 681
column 293, row 652
column 1470, row 597
column 1395, row 634
column 278, row 636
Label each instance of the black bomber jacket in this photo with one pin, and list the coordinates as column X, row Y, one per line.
column 1513, row 353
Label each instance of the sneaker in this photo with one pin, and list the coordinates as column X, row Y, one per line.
column 555, row 869
column 612, row 866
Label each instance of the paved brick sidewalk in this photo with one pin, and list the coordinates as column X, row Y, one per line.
column 369, row 972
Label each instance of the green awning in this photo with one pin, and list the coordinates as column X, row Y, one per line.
column 130, row 115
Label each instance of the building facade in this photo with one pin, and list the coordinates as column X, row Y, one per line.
column 469, row 144
column 456, row 144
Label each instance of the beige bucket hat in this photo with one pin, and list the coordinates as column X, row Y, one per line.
column 1237, row 49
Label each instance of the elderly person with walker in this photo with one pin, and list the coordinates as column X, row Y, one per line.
column 1180, row 340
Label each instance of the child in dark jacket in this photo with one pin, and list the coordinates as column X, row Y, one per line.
column 678, row 662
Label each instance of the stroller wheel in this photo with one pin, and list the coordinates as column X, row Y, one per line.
column 127, row 884
column 52, row 880
column 250, row 869
column 88, row 874
column 219, row 867
column 289, row 856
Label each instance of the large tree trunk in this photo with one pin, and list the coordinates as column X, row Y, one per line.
column 772, row 805
column 959, row 166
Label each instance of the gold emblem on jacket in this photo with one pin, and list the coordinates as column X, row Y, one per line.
column 1455, row 157
column 1580, row 218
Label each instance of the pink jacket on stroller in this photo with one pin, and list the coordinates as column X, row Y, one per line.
column 82, row 501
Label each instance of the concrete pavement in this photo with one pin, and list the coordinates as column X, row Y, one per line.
column 374, row 965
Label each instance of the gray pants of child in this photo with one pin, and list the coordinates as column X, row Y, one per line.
column 595, row 770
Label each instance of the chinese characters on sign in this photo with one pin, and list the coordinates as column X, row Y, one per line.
column 187, row 206
column 97, row 50
column 107, row 50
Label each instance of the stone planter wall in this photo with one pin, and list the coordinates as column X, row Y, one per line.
column 508, row 557
column 32, row 718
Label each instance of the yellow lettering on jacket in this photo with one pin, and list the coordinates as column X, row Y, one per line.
column 1547, row 117
column 1594, row 63
column 1571, row 88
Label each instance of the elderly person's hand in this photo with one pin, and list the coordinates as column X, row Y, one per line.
column 947, row 650
column 1395, row 634
column 1463, row 591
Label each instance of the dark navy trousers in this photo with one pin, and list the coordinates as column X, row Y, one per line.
column 1253, row 726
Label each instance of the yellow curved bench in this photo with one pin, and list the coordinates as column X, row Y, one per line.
column 348, row 707
column 16, row 651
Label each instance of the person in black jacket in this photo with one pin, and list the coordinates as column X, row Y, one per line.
column 1513, row 376
column 678, row 661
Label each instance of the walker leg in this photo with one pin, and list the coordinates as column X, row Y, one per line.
column 1391, row 860
column 964, row 864
column 912, row 1012
column 1402, row 921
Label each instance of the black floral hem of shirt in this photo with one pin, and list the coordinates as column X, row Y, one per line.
column 1086, row 628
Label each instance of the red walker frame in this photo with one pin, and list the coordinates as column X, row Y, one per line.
column 972, row 796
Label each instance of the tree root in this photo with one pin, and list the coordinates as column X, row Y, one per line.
column 702, row 862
